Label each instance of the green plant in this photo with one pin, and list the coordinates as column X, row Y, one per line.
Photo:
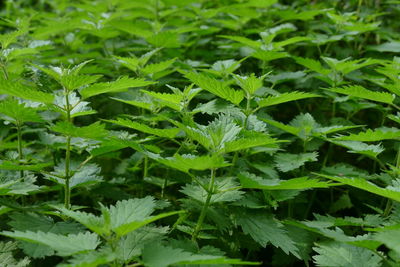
column 163, row 133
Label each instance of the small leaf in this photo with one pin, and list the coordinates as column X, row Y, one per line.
column 287, row 162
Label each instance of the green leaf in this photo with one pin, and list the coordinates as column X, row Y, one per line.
column 249, row 180
column 73, row 82
column 346, row 66
column 283, row 98
column 361, row 92
column 250, row 84
column 132, row 244
column 287, row 128
column 86, row 175
column 243, row 40
column 34, row 222
column 120, row 85
column 167, row 133
column 173, row 101
column 91, row 259
column 158, row 255
column 360, row 148
column 312, row 65
column 264, row 229
column 70, row 78
column 287, row 162
column 7, row 258
column 18, row 113
column 215, row 135
column 225, row 190
column 364, row 184
column 65, row 245
column 389, row 238
column 93, row 131
column 10, row 165
column 157, row 67
column 188, row 162
column 14, row 88
column 22, row 186
column 132, row 226
column 216, row 87
column 337, row 254
column 132, row 210
column 372, row 135
column 253, row 139
column 267, row 56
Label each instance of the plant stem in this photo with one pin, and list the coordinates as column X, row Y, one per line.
column 205, row 207
column 20, row 152
column 67, row 189
column 145, row 166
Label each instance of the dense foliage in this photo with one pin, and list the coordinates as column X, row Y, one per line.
column 194, row 132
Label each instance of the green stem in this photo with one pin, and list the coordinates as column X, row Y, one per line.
column 20, row 152
column 5, row 72
column 67, row 189
column 359, row 6
column 205, row 207
column 67, row 195
column 145, row 166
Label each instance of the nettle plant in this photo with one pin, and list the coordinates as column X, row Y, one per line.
column 162, row 133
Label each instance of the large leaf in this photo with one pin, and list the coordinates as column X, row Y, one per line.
column 15, row 112
column 65, row 245
column 167, row 132
column 93, row 131
column 361, row 92
column 264, row 229
column 249, row 180
column 216, row 87
column 158, row 255
column 120, row 85
column 337, row 254
column 366, row 185
column 188, row 162
column 283, row 98
column 373, row 135
column 18, row 89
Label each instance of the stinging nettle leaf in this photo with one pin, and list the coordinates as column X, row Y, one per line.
column 216, row 87
column 337, row 254
column 168, row 132
column 120, row 85
column 15, row 88
column 158, row 255
column 18, row 113
column 286, row 162
column 249, row 180
column 65, row 245
column 366, row 185
column 361, row 92
column 265, row 229
column 283, row 98
column 94, row 131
